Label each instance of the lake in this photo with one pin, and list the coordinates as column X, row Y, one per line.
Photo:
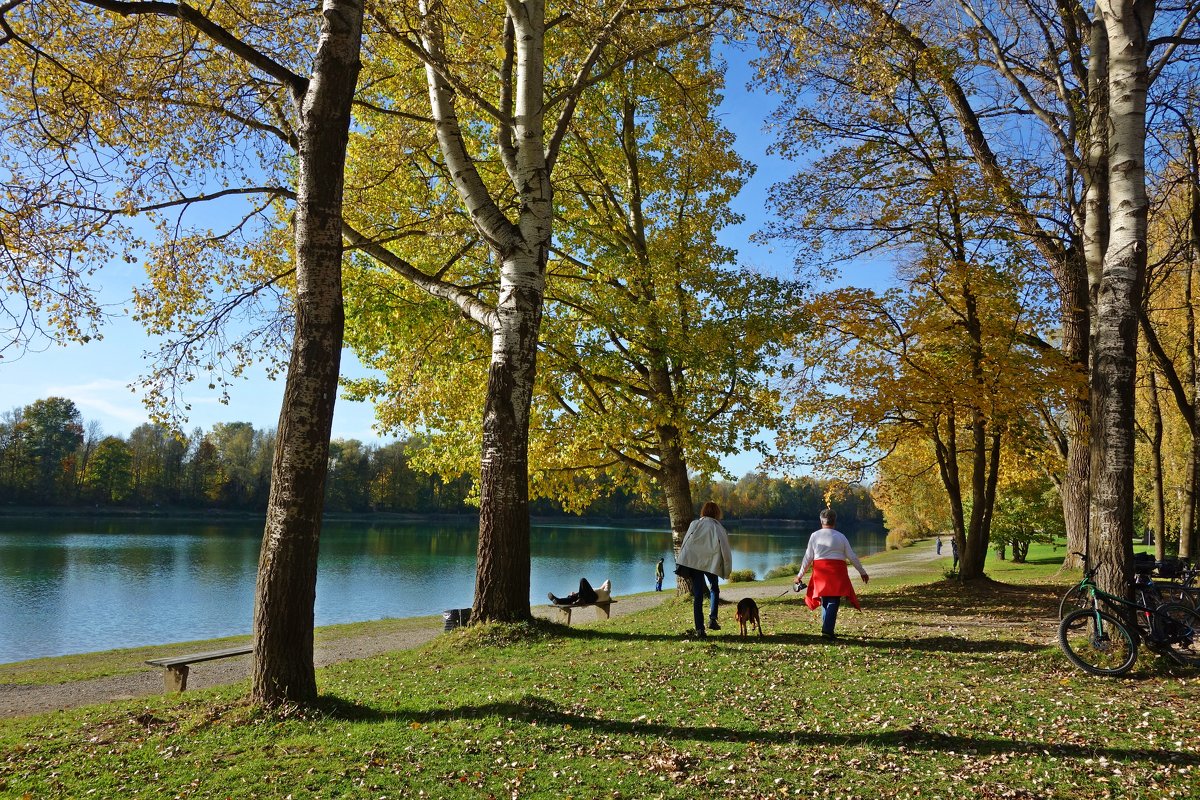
column 83, row 584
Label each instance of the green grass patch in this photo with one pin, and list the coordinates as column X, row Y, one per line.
column 934, row 690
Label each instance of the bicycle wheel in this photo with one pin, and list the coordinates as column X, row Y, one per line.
column 1176, row 631
column 1175, row 593
column 1097, row 642
column 1074, row 599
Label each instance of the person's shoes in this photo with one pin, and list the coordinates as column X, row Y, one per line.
column 691, row 634
column 830, row 636
column 553, row 599
column 713, row 626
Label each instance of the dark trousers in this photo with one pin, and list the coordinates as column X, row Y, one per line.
column 702, row 583
column 586, row 594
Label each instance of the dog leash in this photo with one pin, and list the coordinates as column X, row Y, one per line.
column 796, row 587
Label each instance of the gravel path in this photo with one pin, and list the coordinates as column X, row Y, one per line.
column 18, row 701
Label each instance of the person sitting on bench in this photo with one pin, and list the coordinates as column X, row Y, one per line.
column 585, row 596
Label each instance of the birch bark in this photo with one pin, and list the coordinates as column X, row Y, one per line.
column 1127, row 23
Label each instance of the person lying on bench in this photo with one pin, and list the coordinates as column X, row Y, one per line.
column 586, row 594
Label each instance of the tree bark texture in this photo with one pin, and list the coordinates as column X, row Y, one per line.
column 1187, row 509
column 1076, row 345
column 287, row 572
column 502, row 574
column 673, row 478
column 1128, row 24
column 1154, row 437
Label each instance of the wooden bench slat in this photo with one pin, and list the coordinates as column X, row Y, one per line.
column 195, row 658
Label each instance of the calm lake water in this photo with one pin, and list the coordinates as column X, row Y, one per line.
column 77, row 585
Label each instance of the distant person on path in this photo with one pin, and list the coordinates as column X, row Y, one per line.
column 939, row 544
column 954, row 554
column 585, row 595
column 827, row 553
column 658, row 576
column 703, row 556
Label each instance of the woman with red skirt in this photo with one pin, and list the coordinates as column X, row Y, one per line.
column 827, row 554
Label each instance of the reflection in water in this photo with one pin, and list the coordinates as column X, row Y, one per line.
column 81, row 585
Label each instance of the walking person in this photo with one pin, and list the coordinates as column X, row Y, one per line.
column 954, row 554
column 827, row 554
column 658, row 576
column 939, row 544
column 703, row 556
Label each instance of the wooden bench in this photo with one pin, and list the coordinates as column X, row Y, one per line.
column 565, row 610
column 175, row 669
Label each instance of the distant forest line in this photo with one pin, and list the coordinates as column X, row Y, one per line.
column 50, row 456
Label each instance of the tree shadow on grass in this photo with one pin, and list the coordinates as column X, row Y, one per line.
column 978, row 599
column 541, row 711
column 947, row 644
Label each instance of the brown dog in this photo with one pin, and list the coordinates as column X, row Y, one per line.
column 747, row 614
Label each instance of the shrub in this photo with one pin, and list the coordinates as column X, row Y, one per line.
column 786, row 571
column 741, row 576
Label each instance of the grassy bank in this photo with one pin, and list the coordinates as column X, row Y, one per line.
column 126, row 660
column 933, row 691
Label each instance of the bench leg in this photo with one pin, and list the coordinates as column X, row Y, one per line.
column 603, row 607
column 175, row 678
column 564, row 614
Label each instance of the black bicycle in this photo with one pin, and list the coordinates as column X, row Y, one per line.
column 1100, row 642
column 1177, row 584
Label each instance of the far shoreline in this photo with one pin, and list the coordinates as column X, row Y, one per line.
column 211, row 514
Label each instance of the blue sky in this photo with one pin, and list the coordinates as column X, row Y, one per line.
column 97, row 376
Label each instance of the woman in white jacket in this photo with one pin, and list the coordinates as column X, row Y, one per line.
column 703, row 556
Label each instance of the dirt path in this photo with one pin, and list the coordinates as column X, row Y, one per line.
column 18, row 701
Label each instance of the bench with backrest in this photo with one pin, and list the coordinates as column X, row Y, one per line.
column 175, row 669
column 603, row 606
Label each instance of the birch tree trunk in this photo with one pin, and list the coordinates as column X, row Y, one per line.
column 1112, row 381
column 502, row 575
column 521, row 249
column 1079, row 281
column 287, row 570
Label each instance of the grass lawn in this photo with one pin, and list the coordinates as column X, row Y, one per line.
column 932, row 691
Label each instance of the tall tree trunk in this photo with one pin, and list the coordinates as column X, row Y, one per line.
column 673, row 478
column 946, row 451
column 502, row 574
column 1127, row 23
column 1154, row 437
column 1076, row 345
column 1191, row 478
column 1080, row 282
column 1187, row 543
column 287, row 569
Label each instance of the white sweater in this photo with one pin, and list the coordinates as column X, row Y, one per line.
column 832, row 544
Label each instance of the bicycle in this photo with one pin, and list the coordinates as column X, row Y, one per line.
column 1179, row 586
column 1100, row 643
